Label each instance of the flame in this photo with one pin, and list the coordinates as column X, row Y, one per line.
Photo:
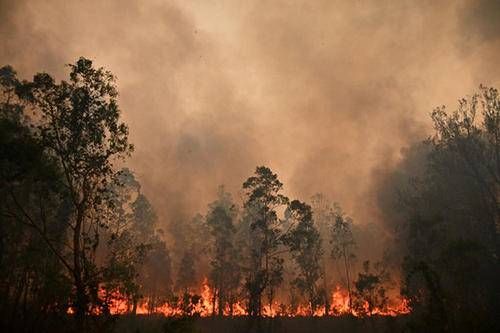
column 339, row 302
column 206, row 305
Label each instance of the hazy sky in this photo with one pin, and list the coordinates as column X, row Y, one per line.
column 326, row 93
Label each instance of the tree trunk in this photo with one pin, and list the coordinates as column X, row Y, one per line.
column 220, row 303
column 231, row 306
column 325, row 288
column 214, row 298
column 348, row 279
column 81, row 302
column 134, row 306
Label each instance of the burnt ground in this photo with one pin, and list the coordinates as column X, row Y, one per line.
column 150, row 324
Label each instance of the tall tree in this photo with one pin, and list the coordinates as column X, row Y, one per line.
column 225, row 274
column 471, row 136
column 186, row 276
column 191, row 246
column 77, row 123
column 133, row 245
column 33, row 286
column 155, row 273
column 305, row 245
column 264, row 197
column 343, row 244
column 450, row 220
column 324, row 218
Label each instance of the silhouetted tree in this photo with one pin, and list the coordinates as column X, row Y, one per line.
column 226, row 273
column 343, row 244
column 77, row 123
column 134, row 246
column 155, row 275
column 305, row 246
column 450, row 226
column 33, row 285
column 323, row 216
column 186, row 277
column 370, row 292
column 266, row 265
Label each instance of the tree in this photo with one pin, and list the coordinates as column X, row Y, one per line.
column 133, row 246
column 266, row 265
column 191, row 246
column 370, row 293
column 225, row 274
column 324, row 218
column 78, row 125
column 155, row 273
column 305, row 245
column 450, row 220
column 33, row 285
column 473, row 141
column 186, row 278
column 343, row 244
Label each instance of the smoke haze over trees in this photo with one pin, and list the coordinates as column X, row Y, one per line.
column 325, row 94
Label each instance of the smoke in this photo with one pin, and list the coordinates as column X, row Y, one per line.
column 326, row 93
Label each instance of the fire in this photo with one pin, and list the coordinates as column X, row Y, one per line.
column 339, row 301
column 206, row 305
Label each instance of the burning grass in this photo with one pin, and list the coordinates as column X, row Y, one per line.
column 204, row 304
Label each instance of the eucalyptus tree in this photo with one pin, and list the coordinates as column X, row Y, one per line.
column 77, row 122
column 134, row 246
column 225, row 274
column 33, row 285
column 343, row 244
column 155, row 271
column 324, row 217
column 304, row 243
column 265, row 271
column 451, row 219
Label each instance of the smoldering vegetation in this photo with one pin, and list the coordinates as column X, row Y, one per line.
column 287, row 172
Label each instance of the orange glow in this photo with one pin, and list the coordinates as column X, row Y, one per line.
column 205, row 306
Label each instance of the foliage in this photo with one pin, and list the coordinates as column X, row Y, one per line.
column 266, row 266
column 226, row 272
column 343, row 244
column 305, row 245
column 63, row 195
column 33, row 205
column 370, row 292
column 452, row 220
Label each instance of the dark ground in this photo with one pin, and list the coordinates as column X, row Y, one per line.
column 145, row 324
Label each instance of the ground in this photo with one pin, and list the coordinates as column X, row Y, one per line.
column 148, row 324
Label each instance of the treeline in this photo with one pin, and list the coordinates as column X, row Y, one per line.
column 276, row 256
column 78, row 235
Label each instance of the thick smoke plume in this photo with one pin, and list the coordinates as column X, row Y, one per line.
column 325, row 93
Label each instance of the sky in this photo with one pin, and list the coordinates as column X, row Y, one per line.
column 326, row 93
